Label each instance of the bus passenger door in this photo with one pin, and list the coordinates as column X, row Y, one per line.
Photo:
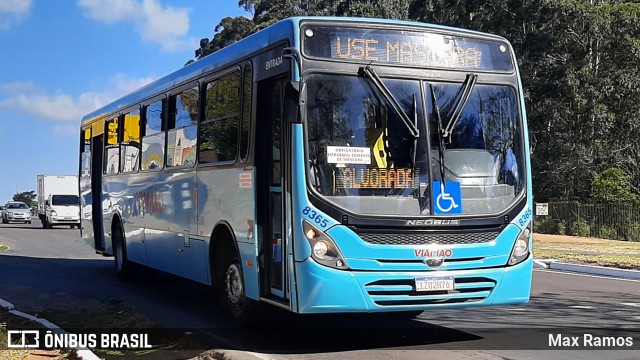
column 97, row 157
column 270, row 204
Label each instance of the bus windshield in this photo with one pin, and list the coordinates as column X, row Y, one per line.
column 365, row 159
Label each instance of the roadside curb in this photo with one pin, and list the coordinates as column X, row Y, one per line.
column 82, row 354
column 590, row 269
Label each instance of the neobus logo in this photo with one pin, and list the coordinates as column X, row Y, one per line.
column 433, row 222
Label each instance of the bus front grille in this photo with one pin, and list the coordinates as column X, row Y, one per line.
column 416, row 238
column 403, row 292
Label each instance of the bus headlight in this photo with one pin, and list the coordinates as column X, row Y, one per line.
column 320, row 249
column 520, row 250
column 324, row 249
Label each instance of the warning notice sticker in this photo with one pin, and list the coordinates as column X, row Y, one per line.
column 348, row 155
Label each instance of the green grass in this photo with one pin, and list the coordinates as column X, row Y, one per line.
column 3, row 247
column 613, row 253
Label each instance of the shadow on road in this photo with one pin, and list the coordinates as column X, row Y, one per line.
column 37, row 285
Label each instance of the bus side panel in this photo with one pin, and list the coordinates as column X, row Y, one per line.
column 227, row 195
column 128, row 208
column 169, row 209
column 86, row 220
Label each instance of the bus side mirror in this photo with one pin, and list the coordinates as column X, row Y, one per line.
column 291, row 102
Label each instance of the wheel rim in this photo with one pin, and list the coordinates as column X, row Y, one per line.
column 235, row 288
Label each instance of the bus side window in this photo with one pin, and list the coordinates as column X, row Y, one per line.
column 219, row 129
column 85, row 151
column 153, row 140
column 183, row 128
column 112, row 147
column 130, row 147
column 246, row 113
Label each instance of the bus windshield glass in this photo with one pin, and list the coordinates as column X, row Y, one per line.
column 364, row 158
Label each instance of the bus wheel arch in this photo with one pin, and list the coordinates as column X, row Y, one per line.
column 227, row 274
column 124, row 267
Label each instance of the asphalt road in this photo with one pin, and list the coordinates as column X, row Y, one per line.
column 55, row 269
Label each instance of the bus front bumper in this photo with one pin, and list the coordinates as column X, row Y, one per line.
column 325, row 290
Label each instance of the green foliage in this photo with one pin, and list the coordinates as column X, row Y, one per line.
column 633, row 233
column 613, row 186
column 607, row 232
column 544, row 225
column 26, row 197
column 268, row 12
column 562, row 228
column 580, row 228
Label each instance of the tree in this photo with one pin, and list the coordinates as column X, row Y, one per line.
column 26, row 197
column 267, row 12
column 613, row 186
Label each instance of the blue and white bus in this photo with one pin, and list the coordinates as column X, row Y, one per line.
column 323, row 165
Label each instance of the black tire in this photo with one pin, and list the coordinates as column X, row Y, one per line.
column 231, row 288
column 124, row 268
column 71, row 226
column 29, row 221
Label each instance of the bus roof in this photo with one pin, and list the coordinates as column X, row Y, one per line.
column 282, row 30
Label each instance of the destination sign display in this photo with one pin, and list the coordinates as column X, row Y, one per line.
column 410, row 48
column 370, row 178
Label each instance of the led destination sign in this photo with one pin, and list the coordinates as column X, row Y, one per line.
column 352, row 178
column 406, row 48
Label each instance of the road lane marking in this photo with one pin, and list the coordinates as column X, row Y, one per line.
column 585, row 275
column 581, row 307
column 631, row 304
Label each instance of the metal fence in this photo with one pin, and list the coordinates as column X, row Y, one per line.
column 609, row 221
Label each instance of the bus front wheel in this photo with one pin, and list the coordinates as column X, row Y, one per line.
column 232, row 291
column 122, row 264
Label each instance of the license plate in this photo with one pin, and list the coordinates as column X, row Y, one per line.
column 67, row 218
column 435, row 283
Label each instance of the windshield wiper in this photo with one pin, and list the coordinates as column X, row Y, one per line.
column 436, row 111
column 412, row 126
column 461, row 99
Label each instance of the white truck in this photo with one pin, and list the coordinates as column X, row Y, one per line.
column 58, row 201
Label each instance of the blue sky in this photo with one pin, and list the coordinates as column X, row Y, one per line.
column 62, row 59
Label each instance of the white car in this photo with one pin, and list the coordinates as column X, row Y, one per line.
column 16, row 211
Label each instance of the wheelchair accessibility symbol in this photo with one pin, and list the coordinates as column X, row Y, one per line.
column 447, row 200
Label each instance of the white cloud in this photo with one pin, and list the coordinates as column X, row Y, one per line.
column 65, row 130
column 156, row 22
column 109, row 11
column 13, row 11
column 29, row 99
